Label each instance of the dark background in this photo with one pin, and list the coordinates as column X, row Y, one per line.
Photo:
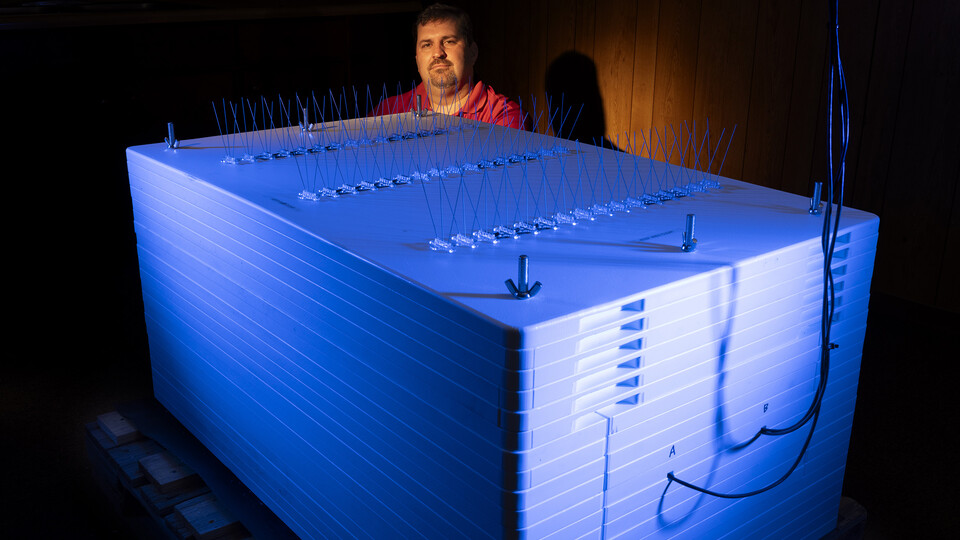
column 82, row 81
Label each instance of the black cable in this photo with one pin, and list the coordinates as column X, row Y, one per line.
column 831, row 225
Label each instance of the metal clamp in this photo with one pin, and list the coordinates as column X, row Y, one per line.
column 522, row 291
column 689, row 242
column 816, row 206
column 420, row 111
column 306, row 125
column 171, row 140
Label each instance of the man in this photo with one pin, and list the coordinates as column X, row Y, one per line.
column 445, row 56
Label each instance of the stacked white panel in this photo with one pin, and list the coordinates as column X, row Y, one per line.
column 363, row 385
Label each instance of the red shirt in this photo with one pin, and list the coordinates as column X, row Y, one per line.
column 483, row 104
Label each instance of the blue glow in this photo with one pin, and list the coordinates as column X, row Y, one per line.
column 363, row 385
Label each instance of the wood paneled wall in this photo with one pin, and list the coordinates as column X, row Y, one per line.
column 763, row 66
column 758, row 64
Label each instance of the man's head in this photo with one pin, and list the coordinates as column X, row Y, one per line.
column 445, row 47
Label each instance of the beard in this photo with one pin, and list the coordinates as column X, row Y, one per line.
column 443, row 78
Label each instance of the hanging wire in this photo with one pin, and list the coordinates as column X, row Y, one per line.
column 831, row 225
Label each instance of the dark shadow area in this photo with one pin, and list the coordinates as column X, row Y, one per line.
column 77, row 97
column 902, row 461
column 77, row 93
column 571, row 83
column 155, row 422
column 725, row 311
column 504, row 296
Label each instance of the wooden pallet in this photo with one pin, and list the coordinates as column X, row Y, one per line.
column 133, row 466
column 851, row 521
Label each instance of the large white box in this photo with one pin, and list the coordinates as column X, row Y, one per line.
column 363, row 385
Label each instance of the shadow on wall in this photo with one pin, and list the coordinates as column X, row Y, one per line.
column 571, row 81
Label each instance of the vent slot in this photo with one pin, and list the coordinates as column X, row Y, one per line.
column 635, row 325
column 633, row 363
column 614, row 366
column 611, row 316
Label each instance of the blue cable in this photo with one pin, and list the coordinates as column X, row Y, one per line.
column 831, row 224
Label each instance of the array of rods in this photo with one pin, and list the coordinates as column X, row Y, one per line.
column 523, row 193
column 346, row 153
column 256, row 130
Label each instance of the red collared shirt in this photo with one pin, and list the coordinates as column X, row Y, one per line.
column 483, row 104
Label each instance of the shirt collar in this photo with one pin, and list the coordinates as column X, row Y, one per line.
column 476, row 100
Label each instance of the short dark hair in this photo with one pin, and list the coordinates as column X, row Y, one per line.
column 443, row 12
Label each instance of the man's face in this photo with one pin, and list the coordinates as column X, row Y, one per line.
column 444, row 59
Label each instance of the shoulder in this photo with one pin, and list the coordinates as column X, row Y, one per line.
column 506, row 111
column 396, row 104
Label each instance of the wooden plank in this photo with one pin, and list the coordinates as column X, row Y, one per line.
column 116, row 469
column 857, row 29
column 101, row 439
column 924, row 168
column 852, row 519
column 677, row 36
column 177, row 525
column 880, row 109
column 806, row 94
column 613, row 54
column 725, row 61
column 579, row 73
column 127, row 460
column 104, row 470
column 572, row 81
column 119, row 429
column 535, row 103
column 208, row 518
column 168, row 473
column 561, row 43
column 164, row 503
column 586, row 27
column 488, row 30
column 858, row 19
column 517, row 58
column 561, row 28
column 773, row 74
column 644, row 65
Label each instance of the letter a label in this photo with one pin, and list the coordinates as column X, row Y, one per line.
column 673, row 451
